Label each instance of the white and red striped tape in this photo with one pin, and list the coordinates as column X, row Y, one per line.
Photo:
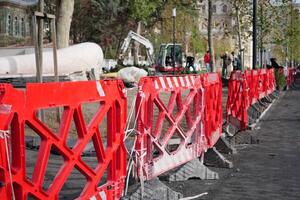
column 174, row 82
column 99, row 196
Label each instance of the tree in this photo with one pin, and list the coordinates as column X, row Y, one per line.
column 105, row 22
column 65, row 10
column 141, row 12
column 242, row 13
column 209, row 36
column 198, row 43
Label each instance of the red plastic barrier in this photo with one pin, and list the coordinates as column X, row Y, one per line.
column 272, row 81
column 238, row 99
column 262, row 83
column 19, row 108
column 213, row 107
column 245, row 89
column 290, row 77
column 176, row 135
column 252, row 81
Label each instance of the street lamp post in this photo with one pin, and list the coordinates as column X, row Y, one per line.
column 174, row 38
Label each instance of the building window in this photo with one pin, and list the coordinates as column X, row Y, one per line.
column 225, row 9
column 214, row 8
column 23, row 32
column 17, row 27
column 214, row 24
column 9, row 25
column 203, row 9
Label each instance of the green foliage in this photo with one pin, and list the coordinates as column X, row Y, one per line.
column 186, row 21
column 280, row 79
column 223, row 45
column 198, row 43
column 142, row 10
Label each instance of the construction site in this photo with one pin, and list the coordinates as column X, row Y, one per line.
column 156, row 122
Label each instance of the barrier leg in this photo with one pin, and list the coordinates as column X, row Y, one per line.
column 245, row 137
column 215, row 159
column 192, row 169
column 153, row 189
column 223, row 146
column 230, row 130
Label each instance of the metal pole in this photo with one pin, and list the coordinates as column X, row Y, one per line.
column 39, row 77
column 254, row 35
column 36, row 46
column 53, row 35
column 56, row 77
column 174, row 38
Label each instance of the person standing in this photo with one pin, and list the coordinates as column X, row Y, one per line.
column 230, row 65
column 234, row 61
column 226, row 61
column 207, row 61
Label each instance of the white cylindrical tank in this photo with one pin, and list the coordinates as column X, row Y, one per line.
column 79, row 57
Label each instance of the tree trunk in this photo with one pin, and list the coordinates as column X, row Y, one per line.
column 210, row 40
column 137, row 46
column 65, row 11
column 237, row 10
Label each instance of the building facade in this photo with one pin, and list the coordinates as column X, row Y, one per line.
column 222, row 21
column 15, row 19
column 223, row 27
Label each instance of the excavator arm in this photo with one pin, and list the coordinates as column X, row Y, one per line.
column 140, row 39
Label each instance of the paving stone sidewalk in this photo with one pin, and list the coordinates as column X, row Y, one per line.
column 270, row 169
column 267, row 170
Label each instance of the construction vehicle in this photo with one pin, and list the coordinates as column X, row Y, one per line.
column 165, row 57
column 140, row 39
column 164, row 62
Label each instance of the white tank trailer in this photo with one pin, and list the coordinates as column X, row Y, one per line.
column 74, row 59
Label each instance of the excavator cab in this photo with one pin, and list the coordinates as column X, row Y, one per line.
column 165, row 58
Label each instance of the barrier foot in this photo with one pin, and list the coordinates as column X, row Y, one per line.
column 192, row 169
column 273, row 96
column 267, row 100
column 254, row 113
column 223, row 146
column 215, row 159
column 153, row 189
column 245, row 137
column 263, row 105
column 230, row 130
column 276, row 93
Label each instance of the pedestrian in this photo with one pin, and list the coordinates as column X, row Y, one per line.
column 207, row 61
column 190, row 63
column 229, row 65
column 234, row 61
column 226, row 61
